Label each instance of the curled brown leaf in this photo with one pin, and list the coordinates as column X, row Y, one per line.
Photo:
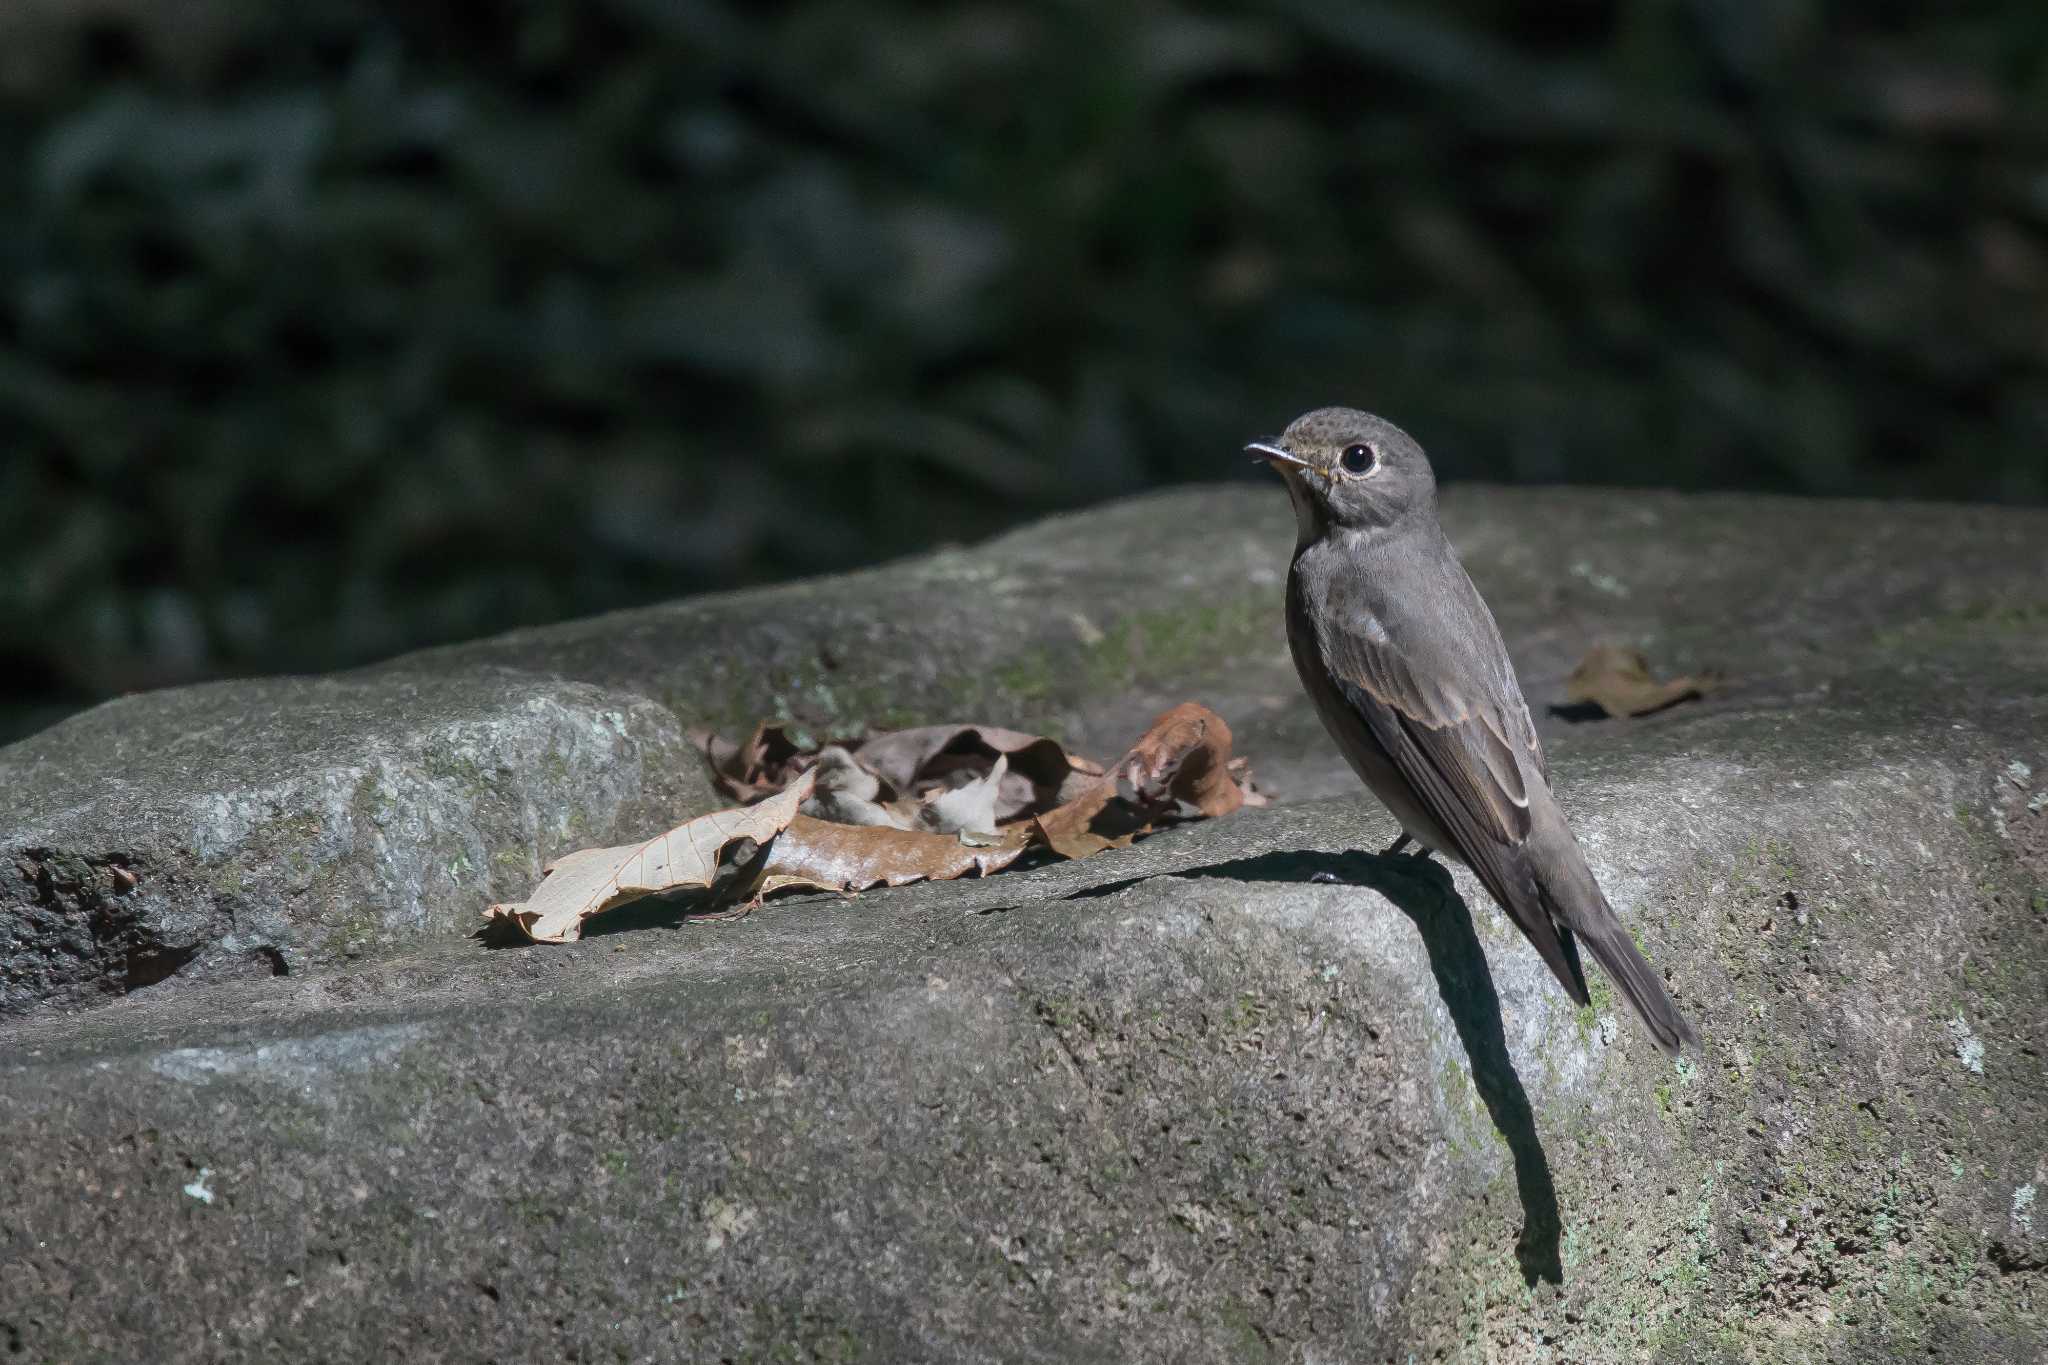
column 1183, row 756
column 764, row 763
column 1186, row 755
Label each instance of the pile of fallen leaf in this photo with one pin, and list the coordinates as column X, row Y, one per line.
column 926, row 804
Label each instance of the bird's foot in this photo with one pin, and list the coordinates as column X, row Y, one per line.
column 1391, row 849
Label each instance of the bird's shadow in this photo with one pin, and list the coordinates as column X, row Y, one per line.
column 1421, row 888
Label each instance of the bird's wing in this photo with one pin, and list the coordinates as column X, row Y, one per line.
column 1440, row 696
column 1439, row 693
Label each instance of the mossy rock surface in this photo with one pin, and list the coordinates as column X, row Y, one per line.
column 1177, row 1103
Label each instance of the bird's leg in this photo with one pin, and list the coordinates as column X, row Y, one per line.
column 1391, row 849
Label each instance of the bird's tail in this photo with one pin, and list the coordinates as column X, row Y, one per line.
column 1574, row 900
column 1637, row 981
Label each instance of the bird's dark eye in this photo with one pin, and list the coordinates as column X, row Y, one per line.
column 1356, row 459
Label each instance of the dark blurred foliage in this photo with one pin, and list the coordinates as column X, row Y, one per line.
column 329, row 329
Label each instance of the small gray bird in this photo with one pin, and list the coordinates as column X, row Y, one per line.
column 1407, row 670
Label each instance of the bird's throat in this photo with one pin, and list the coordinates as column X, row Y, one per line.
column 1310, row 521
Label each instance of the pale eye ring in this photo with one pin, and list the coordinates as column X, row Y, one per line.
column 1357, row 459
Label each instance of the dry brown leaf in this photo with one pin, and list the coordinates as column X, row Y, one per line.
column 592, row 880
column 830, row 857
column 1069, row 830
column 1186, row 752
column 1618, row 681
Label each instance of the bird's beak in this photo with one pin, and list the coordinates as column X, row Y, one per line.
column 1265, row 452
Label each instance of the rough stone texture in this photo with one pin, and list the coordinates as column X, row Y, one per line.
column 288, row 824
column 1172, row 1104
column 263, row 827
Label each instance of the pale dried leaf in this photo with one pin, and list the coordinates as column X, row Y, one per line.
column 848, row 794
column 593, row 880
column 1241, row 773
column 970, row 806
column 1039, row 772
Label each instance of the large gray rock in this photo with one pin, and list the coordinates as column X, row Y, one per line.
column 1178, row 1103
column 287, row 824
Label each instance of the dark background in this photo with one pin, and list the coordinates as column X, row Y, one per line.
column 330, row 329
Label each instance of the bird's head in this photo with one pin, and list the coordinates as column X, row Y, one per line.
column 1350, row 469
